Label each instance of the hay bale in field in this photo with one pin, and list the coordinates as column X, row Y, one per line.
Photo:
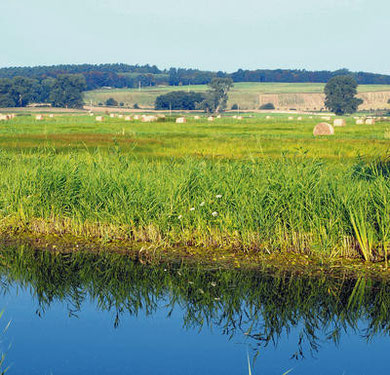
column 181, row 120
column 128, row 118
column 370, row 121
column 267, row 117
column 112, row 115
column 91, row 114
column 219, row 116
column 39, row 117
column 239, row 117
column 290, row 118
column 120, row 116
column 339, row 122
column 136, row 117
column 327, row 118
column 210, row 118
column 299, row 118
column 4, row 117
column 149, row 118
column 359, row 122
column 196, row 117
column 323, row 128
column 99, row 118
column 234, row 116
column 51, row 115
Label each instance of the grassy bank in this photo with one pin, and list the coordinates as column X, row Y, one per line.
column 255, row 186
column 270, row 206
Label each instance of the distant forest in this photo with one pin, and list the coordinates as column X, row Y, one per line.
column 131, row 76
column 54, row 84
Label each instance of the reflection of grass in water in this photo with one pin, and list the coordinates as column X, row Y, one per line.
column 251, row 303
column 2, row 358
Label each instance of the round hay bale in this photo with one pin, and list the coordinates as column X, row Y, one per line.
column 339, row 122
column 323, row 128
column 181, row 120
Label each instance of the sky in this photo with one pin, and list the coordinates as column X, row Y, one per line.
column 206, row 34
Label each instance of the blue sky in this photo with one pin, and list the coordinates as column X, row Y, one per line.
column 206, row 34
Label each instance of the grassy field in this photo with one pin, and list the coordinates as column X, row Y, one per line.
column 254, row 185
column 247, row 94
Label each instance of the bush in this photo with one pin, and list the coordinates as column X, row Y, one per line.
column 121, row 104
column 267, row 106
column 111, row 102
column 136, row 106
column 234, row 107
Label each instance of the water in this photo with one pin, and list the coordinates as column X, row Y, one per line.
column 90, row 314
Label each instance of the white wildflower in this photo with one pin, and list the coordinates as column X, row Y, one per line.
column 192, row 209
column 202, row 204
column 215, row 214
column 219, row 196
column 180, row 217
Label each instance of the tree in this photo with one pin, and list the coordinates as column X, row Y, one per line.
column 111, row 102
column 24, row 91
column 6, row 98
column 340, row 95
column 217, row 96
column 179, row 100
column 67, row 91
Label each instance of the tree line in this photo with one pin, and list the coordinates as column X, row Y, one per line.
column 131, row 76
column 63, row 91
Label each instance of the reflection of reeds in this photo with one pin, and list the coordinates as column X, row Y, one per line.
column 258, row 305
column 2, row 358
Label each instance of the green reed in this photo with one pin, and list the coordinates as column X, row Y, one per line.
column 302, row 205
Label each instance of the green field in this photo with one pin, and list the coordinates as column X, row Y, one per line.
column 245, row 94
column 254, row 185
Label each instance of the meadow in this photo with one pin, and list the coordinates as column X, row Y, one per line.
column 247, row 94
column 251, row 186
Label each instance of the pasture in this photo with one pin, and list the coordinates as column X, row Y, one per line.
column 257, row 185
column 249, row 95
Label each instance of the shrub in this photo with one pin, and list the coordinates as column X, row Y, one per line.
column 267, row 106
column 111, row 102
column 234, row 107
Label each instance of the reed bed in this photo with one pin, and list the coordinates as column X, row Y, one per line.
column 285, row 205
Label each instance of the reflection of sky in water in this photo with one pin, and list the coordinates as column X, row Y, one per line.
column 89, row 344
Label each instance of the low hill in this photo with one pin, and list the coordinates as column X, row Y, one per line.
column 300, row 96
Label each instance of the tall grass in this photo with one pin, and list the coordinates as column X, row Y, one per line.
column 301, row 205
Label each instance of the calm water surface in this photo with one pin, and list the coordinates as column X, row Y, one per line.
column 90, row 314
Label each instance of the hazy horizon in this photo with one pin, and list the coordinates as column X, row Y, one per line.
column 207, row 35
